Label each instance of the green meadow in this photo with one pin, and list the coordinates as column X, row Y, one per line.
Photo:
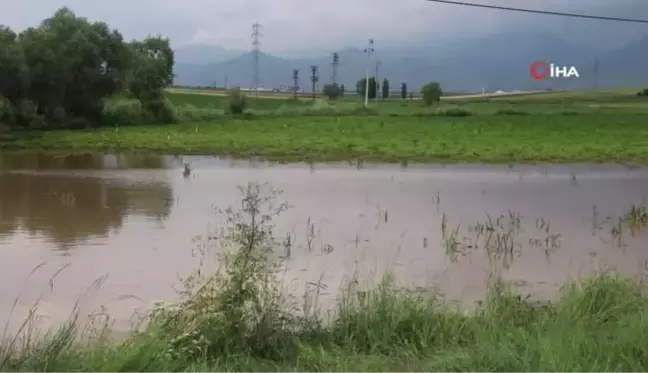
column 548, row 127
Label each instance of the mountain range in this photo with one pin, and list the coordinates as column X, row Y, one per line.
column 493, row 62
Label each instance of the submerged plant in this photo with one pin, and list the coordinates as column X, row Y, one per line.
column 637, row 218
column 238, row 306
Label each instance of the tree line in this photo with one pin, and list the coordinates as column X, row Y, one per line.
column 430, row 92
column 59, row 74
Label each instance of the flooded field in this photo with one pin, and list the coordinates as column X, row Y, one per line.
column 115, row 232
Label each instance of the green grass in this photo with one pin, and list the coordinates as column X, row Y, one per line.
column 551, row 103
column 217, row 101
column 599, row 325
column 236, row 320
column 487, row 138
column 598, row 126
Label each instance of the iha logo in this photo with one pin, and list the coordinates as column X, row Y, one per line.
column 541, row 70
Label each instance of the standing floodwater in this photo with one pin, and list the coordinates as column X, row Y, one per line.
column 126, row 223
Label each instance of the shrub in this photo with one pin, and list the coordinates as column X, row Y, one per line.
column 332, row 91
column 26, row 115
column 237, row 101
column 123, row 112
column 161, row 110
column 431, row 93
column 6, row 111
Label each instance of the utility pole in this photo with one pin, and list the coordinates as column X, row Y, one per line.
column 336, row 63
column 368, row 50
column 377, row 80
column 314, row 78
column 295, row 81
column 256, row 44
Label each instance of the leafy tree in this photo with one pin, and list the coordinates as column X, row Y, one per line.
column 362, row 84
column 332, row 91
column 12, row 66
column 59, row 73
column 72, row 65
column 385, row 89
column 403, row 91
column 373, row 88
column 342, row 90
column 431, row 93
column 237, row 101
column 152, row 68
column 152, row 60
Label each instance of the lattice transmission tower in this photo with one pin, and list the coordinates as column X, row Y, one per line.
column 256, row 48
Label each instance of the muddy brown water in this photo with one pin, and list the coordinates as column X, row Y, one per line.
column 114, row 232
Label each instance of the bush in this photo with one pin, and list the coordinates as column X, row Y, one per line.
column 124, row 112
column 161, row 110
column 6, row 111
column 643, row 93
column 237, row 101
column 26, row 115
column 332, row 91
column 431, row 93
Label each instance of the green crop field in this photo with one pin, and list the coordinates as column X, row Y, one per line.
column 550, row 127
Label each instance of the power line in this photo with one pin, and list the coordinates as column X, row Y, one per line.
column 545, row 12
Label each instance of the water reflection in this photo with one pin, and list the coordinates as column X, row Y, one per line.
column 68, row 209
column 85, row 161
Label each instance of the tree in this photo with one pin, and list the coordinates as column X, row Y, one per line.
column 237, row 101
column 431, row 93
column 342, row 90
column 59, row 74
column 152, row 72
column 403, row 91
column 12, row 66
column 295, row 82
column 385, row 89
column 153, row 68
column 362, row 84
column 72, row 65
column 332, row 91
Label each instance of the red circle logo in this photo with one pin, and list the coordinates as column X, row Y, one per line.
column 539, row 70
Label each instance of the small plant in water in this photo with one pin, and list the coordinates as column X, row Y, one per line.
column 238, row 307
column 637, row 218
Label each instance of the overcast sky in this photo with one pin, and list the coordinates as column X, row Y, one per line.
column 326, row 24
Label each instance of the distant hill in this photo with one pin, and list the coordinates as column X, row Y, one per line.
column 626, row 66
column 491, row 63
column 204, row 54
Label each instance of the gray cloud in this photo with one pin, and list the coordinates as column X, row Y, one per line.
column 310, row 24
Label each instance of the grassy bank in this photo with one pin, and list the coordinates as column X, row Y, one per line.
column 520, row 138
column 599, row 325
column 236, row 320
column 599, row 126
